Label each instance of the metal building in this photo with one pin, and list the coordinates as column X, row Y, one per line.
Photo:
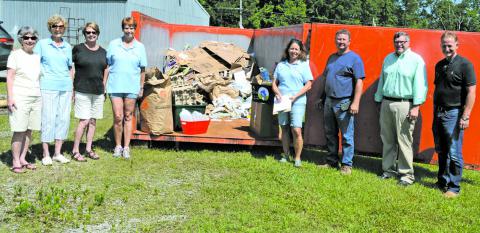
column 107, row 13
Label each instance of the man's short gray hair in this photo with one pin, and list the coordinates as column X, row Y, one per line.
column 343, row 32
column 401, row 33
column 25, row 30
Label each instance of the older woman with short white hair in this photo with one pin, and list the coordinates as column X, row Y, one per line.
column 23, row 96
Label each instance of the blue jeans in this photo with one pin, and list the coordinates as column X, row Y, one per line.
column 335, row 119
column 448, row 139
column 123, row 95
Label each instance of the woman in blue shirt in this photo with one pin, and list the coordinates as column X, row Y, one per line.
column 292, row 79
column 56, row 88
column 127, row 60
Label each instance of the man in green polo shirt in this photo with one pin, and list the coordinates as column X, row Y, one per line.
column 402, row 88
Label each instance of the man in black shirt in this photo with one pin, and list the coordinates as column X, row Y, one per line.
column 453, row 99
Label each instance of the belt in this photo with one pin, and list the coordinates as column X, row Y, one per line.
column 340, row 98
column 445, row 108
column 397, row 99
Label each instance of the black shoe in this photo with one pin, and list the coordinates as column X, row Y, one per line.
column 404, row 183
column 384, row 176
column 441, row 187
column 327, row 165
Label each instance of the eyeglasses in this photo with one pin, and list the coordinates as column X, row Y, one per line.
column 91, row 32
column 58, row 26
column 29, row 38
column 400, row 41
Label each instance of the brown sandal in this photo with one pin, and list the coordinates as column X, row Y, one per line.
column 91, row 154
column 78, row 157
column 17, row 170
column 29, row 166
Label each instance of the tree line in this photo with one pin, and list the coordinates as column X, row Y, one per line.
column 458, row 15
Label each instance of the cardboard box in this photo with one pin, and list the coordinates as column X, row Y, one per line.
column 262, row 121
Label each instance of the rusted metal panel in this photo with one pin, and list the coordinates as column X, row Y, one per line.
column 235, row 132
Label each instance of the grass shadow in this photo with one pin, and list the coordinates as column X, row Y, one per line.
column 35, row 152
column 373, row 164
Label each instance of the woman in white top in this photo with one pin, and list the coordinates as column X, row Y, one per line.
column 23, row 96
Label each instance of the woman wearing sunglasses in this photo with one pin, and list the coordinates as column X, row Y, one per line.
column 127, row 61
column 56, row 88
column 90, row 69
column 24, row 100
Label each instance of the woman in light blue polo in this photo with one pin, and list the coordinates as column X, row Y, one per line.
column 56, row 88
column 292, row 79
column 127, row 60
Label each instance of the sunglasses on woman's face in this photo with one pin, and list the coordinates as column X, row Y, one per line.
column 91, row 32
column 29, row 37
column 58, row 26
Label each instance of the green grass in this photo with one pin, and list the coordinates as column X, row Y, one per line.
column 204, row 188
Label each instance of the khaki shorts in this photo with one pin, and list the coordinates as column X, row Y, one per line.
column 88, row 106
column 27, row 115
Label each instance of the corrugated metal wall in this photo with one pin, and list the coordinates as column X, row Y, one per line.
column 172, row 11
column 107, row 13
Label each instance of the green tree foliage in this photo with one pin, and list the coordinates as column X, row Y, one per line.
column 276, row 13
column 461, row 15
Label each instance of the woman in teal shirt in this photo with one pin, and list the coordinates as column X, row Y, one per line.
column 56, row 88
column 127, row 60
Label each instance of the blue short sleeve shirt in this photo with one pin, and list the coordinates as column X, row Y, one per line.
column 341, row 72
column 56, row 63
column 292, row 77
column 125, row 66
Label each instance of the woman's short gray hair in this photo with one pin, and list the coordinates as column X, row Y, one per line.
column 25, row 30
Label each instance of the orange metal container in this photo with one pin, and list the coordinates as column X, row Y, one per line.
column 372, row 44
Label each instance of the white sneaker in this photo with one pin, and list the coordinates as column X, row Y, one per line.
column 117, row 152
column 60, row 158
column 126, row 153
column 298, row 163
column 285, row 158
column 47, row 161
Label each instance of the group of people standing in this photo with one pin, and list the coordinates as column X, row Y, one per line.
column 402, row 88
column 44, row 76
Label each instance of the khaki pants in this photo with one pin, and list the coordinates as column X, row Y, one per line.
column 396, row 131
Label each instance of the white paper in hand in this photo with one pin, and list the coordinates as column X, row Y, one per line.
column 285, row 105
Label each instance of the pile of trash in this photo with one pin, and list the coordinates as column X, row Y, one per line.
column 214, row 74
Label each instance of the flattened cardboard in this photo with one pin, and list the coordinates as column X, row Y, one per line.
column 229, row 53
column 200, row 61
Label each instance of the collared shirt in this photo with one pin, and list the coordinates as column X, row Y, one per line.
column 292, row 78
column 56, row 63
column 451, row 81
column 125, row 66
column 403, row 77
column 341, row 73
